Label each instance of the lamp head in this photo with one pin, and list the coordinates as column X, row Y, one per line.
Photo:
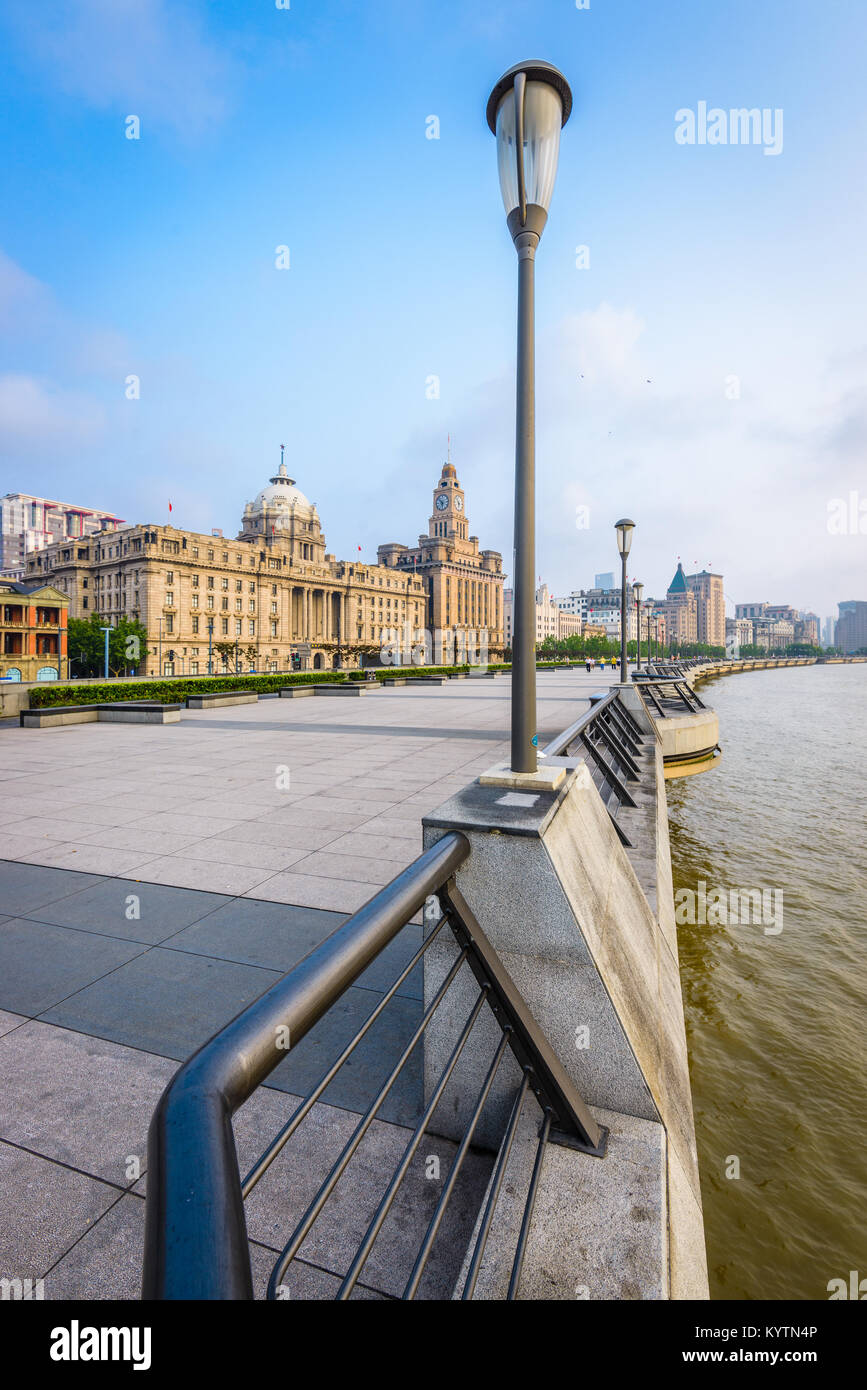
column 526, row 111
column 637, row 591
column 624, row 529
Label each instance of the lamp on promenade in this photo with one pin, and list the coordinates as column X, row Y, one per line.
column 624, row 529
column 526, row 110
column 637, row 593
column 106, row 630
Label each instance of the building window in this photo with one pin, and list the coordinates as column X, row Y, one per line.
column 170, row 576
column 170, row 623
column 210, row 600
column 238, row 627
column 224, row 626
column 224, row 604
column 170, row 599
column 224, row 583
column 195, row 601
column 239, row 605
column 252, row 628
column 195, row 624
column 252, row 605
column 194, row 668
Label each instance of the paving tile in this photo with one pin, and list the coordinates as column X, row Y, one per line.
column 358, row 868
column 202, row 874
column 219, row 850
column 53, row 1207
column 267, row 832
column 273, row 935
column 9, row 1021
column 41, row 964
column 404, row 828
column 106, row 1263
column 147, row 843
column 361, row 1077
column 306, row 890
column 165, row 1002
column 175, row 823
column 159, row 913
column 23, row 887
column 50, row 1079
column 88, row 858
column 360, row 843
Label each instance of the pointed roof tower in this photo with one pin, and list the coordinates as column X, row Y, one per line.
column 678, row 583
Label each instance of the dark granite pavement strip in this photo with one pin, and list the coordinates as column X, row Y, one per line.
column 163, row 1001
column 26, row 886
column 160, row 913
column 41, row 965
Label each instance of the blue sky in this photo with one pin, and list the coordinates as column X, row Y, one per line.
column 305, row 127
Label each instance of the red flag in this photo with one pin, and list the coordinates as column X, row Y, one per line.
column 170, row 506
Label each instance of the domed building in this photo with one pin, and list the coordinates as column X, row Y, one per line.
column 270, row 600
column 281, row 510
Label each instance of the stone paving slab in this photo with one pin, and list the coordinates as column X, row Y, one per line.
column 130, row 910
column 53, row 1206
column 79, row 1100
column 163, row 1001
column 40, row 965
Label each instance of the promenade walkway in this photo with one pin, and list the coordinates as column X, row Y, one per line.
column 153, row 882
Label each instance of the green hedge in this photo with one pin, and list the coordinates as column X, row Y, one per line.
column 170, row 692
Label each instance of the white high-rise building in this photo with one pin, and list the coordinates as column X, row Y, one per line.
column 29, row 523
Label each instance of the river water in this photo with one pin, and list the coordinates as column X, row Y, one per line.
column 776, row 1018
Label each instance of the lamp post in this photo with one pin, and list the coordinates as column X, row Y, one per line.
column 106, row 630
column 160, row 657
column 637, row 594
column 210, row 645
column 624, row 529
column 526, row 111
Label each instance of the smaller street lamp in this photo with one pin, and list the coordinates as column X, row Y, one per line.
column 624, row 529
column 637, row 594
column 106, row 630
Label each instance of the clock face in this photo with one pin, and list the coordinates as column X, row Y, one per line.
column 442, row 502
column 459, row 503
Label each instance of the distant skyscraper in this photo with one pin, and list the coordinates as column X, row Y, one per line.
column 710, row 607
column 30, row 523
column 851, row 630
column 604, row 581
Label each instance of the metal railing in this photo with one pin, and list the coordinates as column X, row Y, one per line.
column 665, row 698
column 612, row 742
column 196, row 1241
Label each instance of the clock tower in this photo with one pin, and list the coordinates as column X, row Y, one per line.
column 448, row 519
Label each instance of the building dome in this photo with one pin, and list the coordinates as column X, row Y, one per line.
column 281, row 493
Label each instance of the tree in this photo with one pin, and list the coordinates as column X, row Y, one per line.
column 225, row 651
column 127, row 645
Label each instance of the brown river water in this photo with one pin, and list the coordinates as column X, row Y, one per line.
column 776, row 1000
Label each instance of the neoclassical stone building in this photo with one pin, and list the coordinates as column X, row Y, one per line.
column 463, row 585
column 274, row 595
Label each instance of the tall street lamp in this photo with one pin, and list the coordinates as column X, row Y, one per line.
column 637, row 594
column 526, row 111
column 624, row 529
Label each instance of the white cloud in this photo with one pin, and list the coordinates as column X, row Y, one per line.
column 35, row 414
column 142, row 57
